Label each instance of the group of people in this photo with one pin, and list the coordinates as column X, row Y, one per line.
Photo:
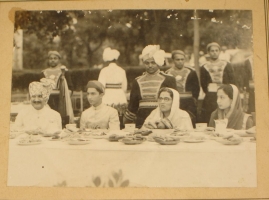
column 163, row 100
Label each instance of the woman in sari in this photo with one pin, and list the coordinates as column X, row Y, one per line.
column 229, row 107
column 168, row 115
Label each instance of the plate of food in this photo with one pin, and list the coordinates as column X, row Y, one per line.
column 95, row 134
column 29, row 141
column 243, row 133
column 230, row 140
column 55, row 138
column 143, row 132
column 133, row 140
column 166, row 140
column 193, row 139
column 115, row 137
column 78, row 141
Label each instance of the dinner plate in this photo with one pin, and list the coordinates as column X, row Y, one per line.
column 192, row 141
column 77, row 142
column 115, row 139
column 131, row 142
column 163, row 142
column 29, row 143
column 228, row 142
column 58, row 139
column 244, row 134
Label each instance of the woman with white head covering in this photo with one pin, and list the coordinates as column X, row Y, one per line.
column 39, row 118
column 168, row 115
column 145, row 88
column 229, row 107
column 113, row 77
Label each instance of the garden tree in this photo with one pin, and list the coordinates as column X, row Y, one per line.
column 81, row 36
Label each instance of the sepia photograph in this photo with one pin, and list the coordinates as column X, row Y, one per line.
column 155, row 98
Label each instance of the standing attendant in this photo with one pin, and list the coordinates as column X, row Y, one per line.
column 187, row 84
column 144, row 92
column 214, row 73
column 114, row 79
column 60, row 99
column 99, row 115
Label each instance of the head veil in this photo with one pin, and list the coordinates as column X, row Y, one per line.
column 157, row 114
column 235, row 115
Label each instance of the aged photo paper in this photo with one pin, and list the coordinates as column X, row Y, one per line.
column 100, row 169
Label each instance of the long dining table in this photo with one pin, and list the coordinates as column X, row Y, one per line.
column 102, row 163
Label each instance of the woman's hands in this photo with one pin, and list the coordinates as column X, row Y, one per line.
column 155, row 125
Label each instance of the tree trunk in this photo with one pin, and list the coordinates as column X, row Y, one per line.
column 196, row 44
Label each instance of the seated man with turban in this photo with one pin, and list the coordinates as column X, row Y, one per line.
column 39, row 118
column 99, row 115
column 60, row 99
column 145, row 88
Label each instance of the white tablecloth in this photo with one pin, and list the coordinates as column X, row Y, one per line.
column 207, row 164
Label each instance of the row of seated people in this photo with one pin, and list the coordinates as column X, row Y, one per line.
column 40, row 118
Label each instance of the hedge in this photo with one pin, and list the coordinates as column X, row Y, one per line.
column 80, row 77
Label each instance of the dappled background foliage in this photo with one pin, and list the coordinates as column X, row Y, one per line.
column 81, row 36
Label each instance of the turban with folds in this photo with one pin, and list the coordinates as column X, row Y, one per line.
column 56, row 53
column 97, row 85
column 211, row 45
column 44, row 87
column 154, row 51
column 110, row 54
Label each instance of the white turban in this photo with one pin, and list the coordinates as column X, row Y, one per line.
column 154, row 51
column 110, row 54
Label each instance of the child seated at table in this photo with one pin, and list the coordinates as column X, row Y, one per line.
column 229, row 106
column 168, row 115
column 99, row 115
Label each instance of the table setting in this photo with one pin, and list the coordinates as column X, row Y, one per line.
column 141, row 154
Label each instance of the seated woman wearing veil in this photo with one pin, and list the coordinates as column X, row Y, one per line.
column 229, row 107
column 168, row 115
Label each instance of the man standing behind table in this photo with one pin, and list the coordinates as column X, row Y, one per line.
column 214, row 73
column 39, row 118
column 99, row 115
column 60, row 99
column 144, row 92
column 187, row 84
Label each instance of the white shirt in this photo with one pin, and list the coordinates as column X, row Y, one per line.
column 46, row 119
column 103, row 116
column 113, row 74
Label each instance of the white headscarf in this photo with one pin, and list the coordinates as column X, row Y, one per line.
column 154, row 51
column 110, row 54
column 177, row 118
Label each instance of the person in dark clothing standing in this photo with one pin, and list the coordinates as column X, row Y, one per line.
column 145, row 88
column 187, row 84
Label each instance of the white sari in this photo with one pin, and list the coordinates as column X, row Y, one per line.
column 177, row 118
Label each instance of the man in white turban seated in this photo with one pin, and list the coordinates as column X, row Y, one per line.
column 39, row 118
column 99, row 115
column 145, row 88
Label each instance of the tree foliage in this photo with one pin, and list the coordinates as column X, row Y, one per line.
column 81, row 36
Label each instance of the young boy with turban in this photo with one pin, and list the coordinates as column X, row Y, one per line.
column 99, row 115
column 145, row 88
